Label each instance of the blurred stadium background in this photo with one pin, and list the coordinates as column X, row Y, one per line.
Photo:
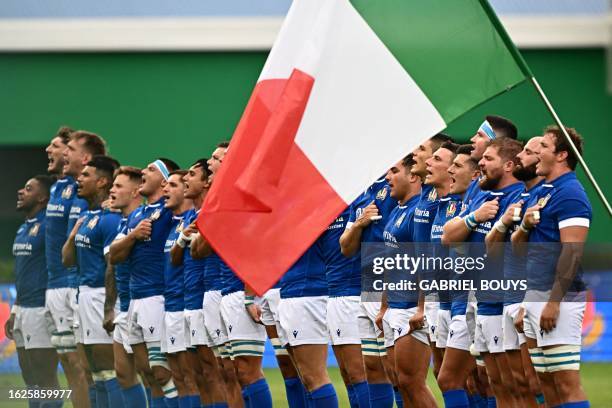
column 160, row 77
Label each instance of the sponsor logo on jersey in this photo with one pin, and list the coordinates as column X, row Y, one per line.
column 450, row 210
column 382, row 194
column 67, row 193
column 544, row 200
column 433, row 194
column 155, row 215
column 34, row 230
column 93, row 222
column 399, row 221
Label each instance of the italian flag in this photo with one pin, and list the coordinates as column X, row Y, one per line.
column 349, row 88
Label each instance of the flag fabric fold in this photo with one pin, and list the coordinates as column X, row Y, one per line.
column 349, row 88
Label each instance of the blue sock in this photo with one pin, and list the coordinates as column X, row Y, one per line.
column 456, row 399
column 113, row 391
column 134, row 396
column 171, row 402
column 195, row 401
column 350, row 392
column 101, row 395
column 158, row 402
column 362, row 394
column 577, row 404
column 92, row 396
column 399, row 401
column 257, row 394
column 491, row 402
column 324, row 397
column 217, row 405
column 540, row 399
column 296, row 393
column 381, row 395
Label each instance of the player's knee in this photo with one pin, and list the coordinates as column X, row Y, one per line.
column 408, row 381
column 355, row 372
column 448, row 381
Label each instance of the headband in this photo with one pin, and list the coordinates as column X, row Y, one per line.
column 487, row 130
column 161, row 166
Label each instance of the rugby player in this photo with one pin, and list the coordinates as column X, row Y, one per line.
column 398, row 309
column 367, row 218
column 214, row 283
column 556, row 227
column 499, row 189
column 424, row 214
column 87, row 248
column 28, row 324
column 143, row 247
column 124, row 199
column 515, row 345
column 174, row 342
column 61, row 293
column 202, row 359
column 303, row 317
column 439, row 177
column 458, row 363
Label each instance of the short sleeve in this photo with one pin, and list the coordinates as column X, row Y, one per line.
column 573, row 212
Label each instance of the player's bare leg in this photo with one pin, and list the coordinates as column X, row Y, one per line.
column 412, row 362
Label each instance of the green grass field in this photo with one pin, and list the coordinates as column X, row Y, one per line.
column 597, row 379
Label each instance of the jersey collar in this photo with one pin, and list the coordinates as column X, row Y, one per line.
column 37, row 218
column 561, row 179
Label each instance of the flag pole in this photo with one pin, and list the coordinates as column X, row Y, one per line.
column 572, row 145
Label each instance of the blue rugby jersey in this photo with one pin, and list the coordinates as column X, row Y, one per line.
column 173, row 275
column 194, row 272
column 505, row 196
column 380, row 193
column 212, row 273
column 231, row 281
column 399, row 229
column 147, row 260
column 449, row 207
column 122, row 272
column 307, row 275
column 472, row 191
column 515, row 264
column 61, row 197
column 564, row 203
column 30, row 264
column 342, row 278
column 424, row 214
column 94, row 236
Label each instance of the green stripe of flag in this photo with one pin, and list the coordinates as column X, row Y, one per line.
column 456, row 51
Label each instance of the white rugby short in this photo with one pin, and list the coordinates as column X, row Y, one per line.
column 173, row 332
column 33, row 327
column 387, row 331
column 470, row 318
column 195, row 328
column 459, row 334
column 443, row 327
column 61, row 304
column 145, row 319
column 432, row 305
column 91, row 316
column 399, row 322
column 215, row 330
column 367, row 320
column 512, row 338
column 343, row 320
column 569, row 323
column 489, row 336
column 237, row 321
column 269, row 312
column 120, row 334
column 304, row 320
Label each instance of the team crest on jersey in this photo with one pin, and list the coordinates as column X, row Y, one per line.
column 34, row 230
column 67, row 193
column 543, row 200
column 382, row 194
column 399, row 221
column 155, row 215
column 433, row 194
column 93, row 222
column 450, row 210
